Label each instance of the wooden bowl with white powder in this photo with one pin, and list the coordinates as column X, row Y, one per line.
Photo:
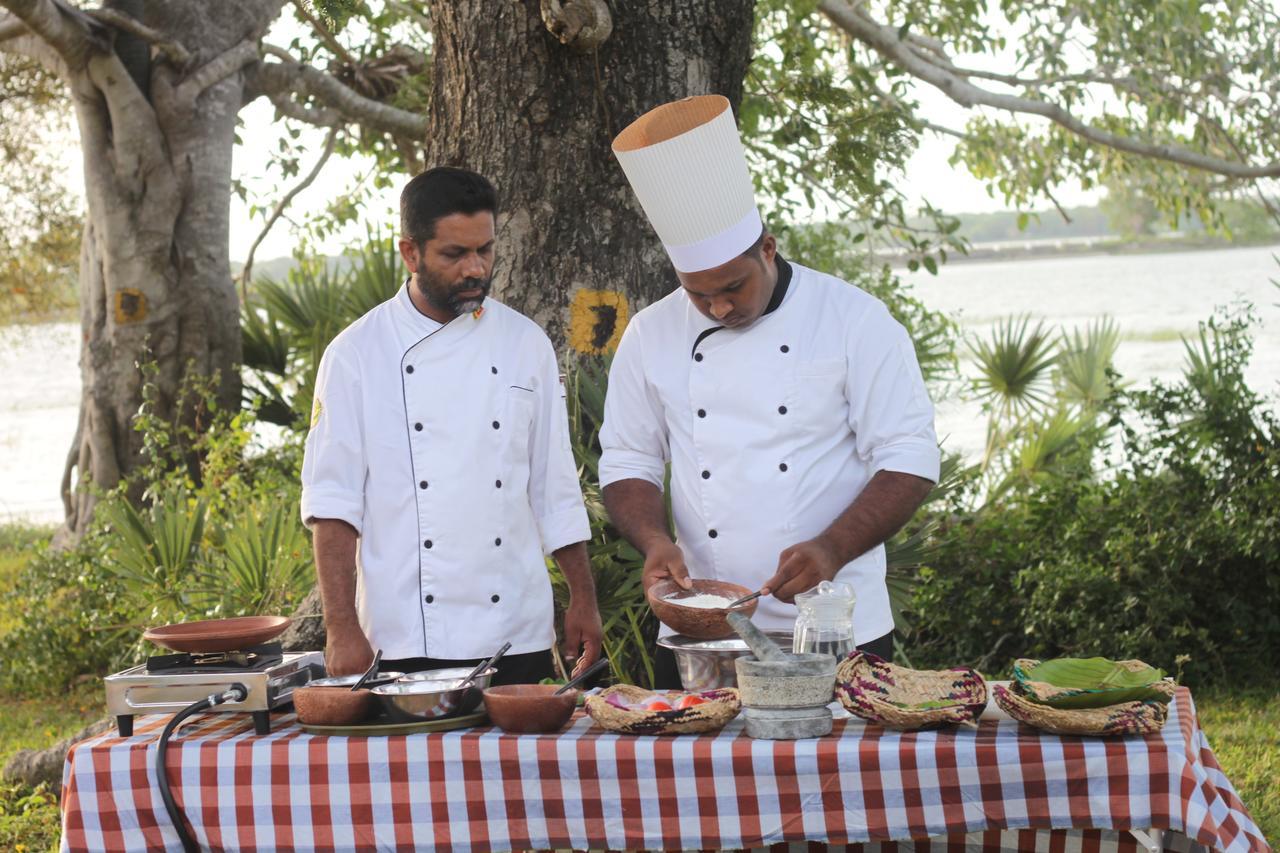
column 699, row 612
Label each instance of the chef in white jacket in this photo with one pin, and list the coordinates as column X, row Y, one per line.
column 438, row 471
column 789, row 403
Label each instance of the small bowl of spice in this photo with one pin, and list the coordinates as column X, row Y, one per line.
column 699, row 612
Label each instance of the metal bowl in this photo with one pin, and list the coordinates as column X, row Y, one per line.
column 349, row 680
column 418, row 697
column 708, row 664
column 456, row 673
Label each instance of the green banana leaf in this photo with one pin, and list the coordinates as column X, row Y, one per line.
column 1077, row 683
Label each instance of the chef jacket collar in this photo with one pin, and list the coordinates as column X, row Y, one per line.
column 420, row 321
column 780, row 289
column 782, row 285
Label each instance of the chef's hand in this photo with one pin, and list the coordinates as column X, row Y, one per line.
column 801, row 567
column 663, row 560
column 347, row 651
column 582, row 632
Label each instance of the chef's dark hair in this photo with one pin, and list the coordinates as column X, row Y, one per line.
column 441, row 192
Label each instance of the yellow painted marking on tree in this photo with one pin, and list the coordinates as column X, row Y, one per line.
column 596, row 321
column 130, row 306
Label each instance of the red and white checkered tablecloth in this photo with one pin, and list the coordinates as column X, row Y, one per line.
column 481, row 789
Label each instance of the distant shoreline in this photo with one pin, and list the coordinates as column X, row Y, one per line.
column 1035, row 250
column 980, row 252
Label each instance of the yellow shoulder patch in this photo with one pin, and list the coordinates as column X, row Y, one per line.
column 316, row 408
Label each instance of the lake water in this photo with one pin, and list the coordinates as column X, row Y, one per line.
column 1154, row 298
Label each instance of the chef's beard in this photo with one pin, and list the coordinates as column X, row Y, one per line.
column 444, row 296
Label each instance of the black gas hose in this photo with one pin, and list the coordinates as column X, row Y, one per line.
column 234, row 693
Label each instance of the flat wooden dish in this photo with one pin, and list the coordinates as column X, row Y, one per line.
column 218, row 635
column 380, row 726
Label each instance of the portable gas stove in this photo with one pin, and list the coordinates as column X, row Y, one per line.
column 169, row 683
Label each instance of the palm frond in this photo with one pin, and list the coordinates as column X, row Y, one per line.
column 1014, row 366
column 1084, row 361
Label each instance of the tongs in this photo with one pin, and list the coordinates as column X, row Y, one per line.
column 583, row 676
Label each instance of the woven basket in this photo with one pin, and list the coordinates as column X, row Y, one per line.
column 1091, row 677
column 908, row 699
column 1126, row 718
column 722, row 705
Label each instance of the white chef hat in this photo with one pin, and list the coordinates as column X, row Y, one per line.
column 685, row 163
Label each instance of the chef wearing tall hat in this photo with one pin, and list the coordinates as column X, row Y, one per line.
column 789, row 403
column 438, row 473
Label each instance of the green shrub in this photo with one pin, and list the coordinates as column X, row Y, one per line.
column 29, row 818
column 218, row 538
column 1172, row 555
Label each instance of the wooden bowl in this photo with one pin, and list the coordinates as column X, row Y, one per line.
column 528, row 708
column 699, row 623
column 332, row 706
column 218, row 635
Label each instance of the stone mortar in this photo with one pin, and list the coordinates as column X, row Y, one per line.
column 799, row 681
column 787, row 723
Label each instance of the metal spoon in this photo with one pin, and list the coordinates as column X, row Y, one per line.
column 583, row 676
column 368, row 673
column 748, row 597
column 484, row 664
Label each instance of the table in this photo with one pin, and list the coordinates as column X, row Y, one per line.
column 482, row 789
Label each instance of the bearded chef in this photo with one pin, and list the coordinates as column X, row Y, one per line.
column 789, row 403
column 438, row 472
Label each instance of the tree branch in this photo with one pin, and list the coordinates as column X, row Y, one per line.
column 327, row 37
column 216, row 70
column 290, row 77
column 322, row 117
column 11, row 27
column 176, row 53
column 246, row 273
column 66, row 29
column 885, row 41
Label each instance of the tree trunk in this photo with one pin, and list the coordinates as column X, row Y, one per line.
column 575, row 252
column 155, row 278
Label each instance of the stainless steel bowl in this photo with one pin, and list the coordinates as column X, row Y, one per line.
column 427, row 695
column 456, row 673
column 708, row 664
column 349, row 680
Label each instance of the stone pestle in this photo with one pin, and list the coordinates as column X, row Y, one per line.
column 761, row 646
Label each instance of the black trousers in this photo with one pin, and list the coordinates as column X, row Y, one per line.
column 666, row 675
column 528, row 668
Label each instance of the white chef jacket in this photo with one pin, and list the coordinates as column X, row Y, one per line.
column 447, row 448
column 771, row 430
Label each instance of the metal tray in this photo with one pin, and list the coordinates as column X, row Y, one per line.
column 380, row 726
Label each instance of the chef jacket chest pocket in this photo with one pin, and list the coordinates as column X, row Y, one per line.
column 515, row 427
column 818, row 393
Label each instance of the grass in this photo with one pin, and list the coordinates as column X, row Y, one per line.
column 1158, row 336
column 29, row 818
column 17, row 544
column 1243, row 727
